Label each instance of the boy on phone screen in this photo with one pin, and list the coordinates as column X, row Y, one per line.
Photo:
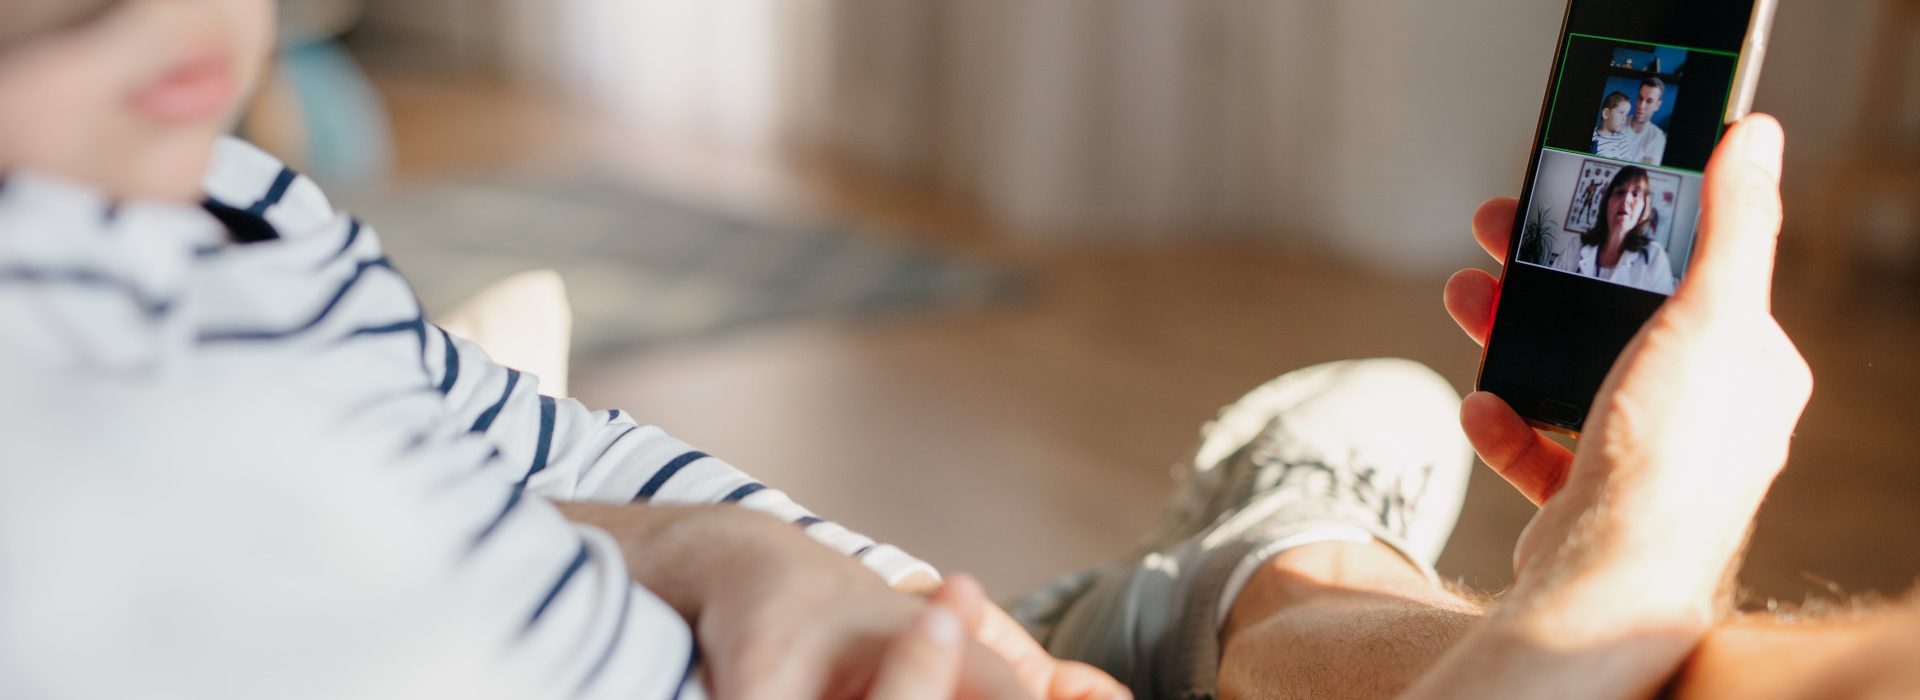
column 1610, row 138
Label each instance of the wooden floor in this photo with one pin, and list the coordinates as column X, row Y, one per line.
column 1020, row 442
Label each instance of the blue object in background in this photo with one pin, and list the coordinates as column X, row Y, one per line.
column 348, row 137
column 1671, row 59
column 1672, row 63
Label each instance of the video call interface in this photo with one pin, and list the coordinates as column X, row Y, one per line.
column 1616, row 194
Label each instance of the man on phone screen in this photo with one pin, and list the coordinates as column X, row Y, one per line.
column 1648, row 142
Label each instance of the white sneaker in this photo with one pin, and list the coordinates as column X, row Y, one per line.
column 1348, row 451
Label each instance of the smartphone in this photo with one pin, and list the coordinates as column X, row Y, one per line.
column 1640, row 93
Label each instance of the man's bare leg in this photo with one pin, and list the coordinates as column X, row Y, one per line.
column 1341, row 620
column 1865, row 654
column 1338, row 620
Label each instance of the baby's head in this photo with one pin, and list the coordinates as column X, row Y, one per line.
column 1615, row 111
column 126, row 95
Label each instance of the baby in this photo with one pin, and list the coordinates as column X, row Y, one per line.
column 146, row 258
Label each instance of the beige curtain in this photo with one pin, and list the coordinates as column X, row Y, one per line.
column 1369, row 128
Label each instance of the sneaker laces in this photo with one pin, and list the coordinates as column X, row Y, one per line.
column 1391, row 495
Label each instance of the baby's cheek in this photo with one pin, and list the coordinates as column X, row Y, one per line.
column 57, row 97
column 253, row 38
column 51, row 127
column 170, row 169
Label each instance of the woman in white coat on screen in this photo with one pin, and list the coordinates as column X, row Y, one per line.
column 1620, row 246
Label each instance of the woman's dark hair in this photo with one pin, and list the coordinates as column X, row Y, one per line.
column 1642, row 233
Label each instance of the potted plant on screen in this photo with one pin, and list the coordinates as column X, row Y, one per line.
column 1536, row 238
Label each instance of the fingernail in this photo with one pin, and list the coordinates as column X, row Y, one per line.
column 940, row 626
column 1763, row 145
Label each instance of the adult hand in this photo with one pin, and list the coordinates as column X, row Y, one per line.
column 777, row 615
column 1687, row 433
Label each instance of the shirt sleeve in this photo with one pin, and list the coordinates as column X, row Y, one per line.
column 561, row 450
column 210, row 526
column 335, row 572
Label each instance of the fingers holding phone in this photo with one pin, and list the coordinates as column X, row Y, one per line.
column 1691, row 426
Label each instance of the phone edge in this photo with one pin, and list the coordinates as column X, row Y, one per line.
column 1532, row 171
column 1753, row 54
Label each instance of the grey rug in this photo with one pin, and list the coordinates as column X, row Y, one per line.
column 643, row 269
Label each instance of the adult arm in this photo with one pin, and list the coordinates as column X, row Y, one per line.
column 1868, row 653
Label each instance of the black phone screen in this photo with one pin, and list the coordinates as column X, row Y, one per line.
column 1606, row 224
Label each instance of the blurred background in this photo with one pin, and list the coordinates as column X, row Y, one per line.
column 968, row 275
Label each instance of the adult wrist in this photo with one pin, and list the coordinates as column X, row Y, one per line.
column 1673, row 554
column 1605, row 574
column 1609, row 602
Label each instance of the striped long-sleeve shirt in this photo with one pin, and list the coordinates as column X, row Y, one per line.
column 268, row 282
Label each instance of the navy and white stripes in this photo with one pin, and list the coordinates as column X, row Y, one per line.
column 559, row 449
column 304, row 294
column 573, row 567
column 667, row 471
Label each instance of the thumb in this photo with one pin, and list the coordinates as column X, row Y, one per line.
column 1740, row 221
